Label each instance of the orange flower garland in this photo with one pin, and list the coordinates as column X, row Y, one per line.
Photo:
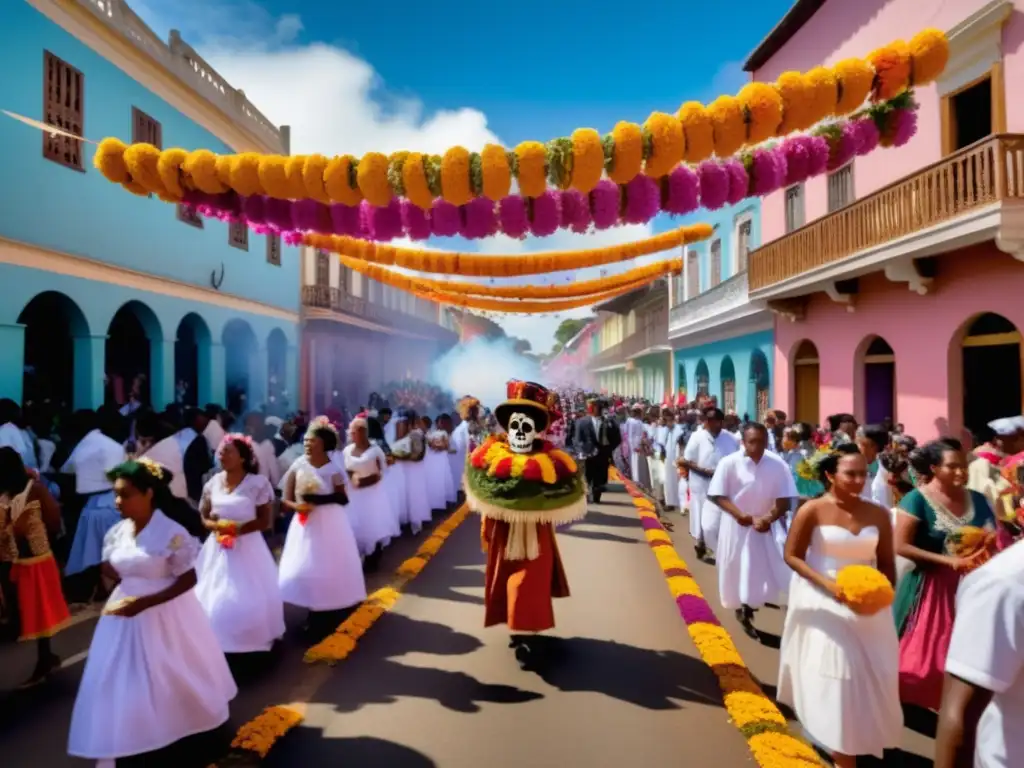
column 414, row 179
column 929, row 54
column 524, row 307
column 532, row 162
column 514, row 265
column 496, row 172
column 372, row 178
column 855, row 77
column 627, row 153
column 547, row 466
column 667, row 144
column 762, row 106
column 588, row 159
column 728, row 125
column 455, row 176
column 892, row 70
column 339, row 180
column 698, row 130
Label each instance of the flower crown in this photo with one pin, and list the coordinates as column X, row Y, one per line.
column 237, row 437
column 321, row 422
column 151, row 467
column 810, row 468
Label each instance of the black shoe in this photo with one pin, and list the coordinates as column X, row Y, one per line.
column 700, row 550
column 745, row 616
column 527, row 659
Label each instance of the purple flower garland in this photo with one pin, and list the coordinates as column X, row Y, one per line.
column 711, row 185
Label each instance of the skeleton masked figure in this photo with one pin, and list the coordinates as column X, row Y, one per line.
column 523, row 487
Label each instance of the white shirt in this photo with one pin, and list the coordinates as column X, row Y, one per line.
column 706, row 451
column 267, row 458
column 213, row 433
column 753, row 487
column 168, row 453
column 634, row 433
column 12, row 437
column 987, row 650
column 94, row 456
column 878, row 490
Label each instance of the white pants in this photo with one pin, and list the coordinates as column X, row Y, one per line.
column 710, row 522
column 657, row 469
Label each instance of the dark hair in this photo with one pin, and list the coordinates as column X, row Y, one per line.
column 757, row 427
column 178, row 510
column 714, row 413
column 829, row 464
column 426, row 420
column 876, row 433
column 374, row 431
column 13, row 477
column 384, row 411
column 328, row 437
column 846, row 417
column 929, row 455
column 10, row 412
column 112, row 424
column 250, row 464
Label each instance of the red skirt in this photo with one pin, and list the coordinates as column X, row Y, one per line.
column 41, row 604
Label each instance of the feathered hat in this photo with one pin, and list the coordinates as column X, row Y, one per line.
column 465, row 405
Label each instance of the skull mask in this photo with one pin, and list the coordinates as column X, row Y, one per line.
column 522, row 431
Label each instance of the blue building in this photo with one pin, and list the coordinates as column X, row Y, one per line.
column 723, row 343
column 100, row 288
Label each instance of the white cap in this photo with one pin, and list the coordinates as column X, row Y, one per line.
column 274, row 421
column 1007, row 426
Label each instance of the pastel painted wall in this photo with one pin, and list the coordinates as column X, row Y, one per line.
column 740, row 350
column 724, row 220
column 925, row 333
column 47, row 205
column 841, row 29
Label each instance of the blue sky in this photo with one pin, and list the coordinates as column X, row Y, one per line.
column 354, row 77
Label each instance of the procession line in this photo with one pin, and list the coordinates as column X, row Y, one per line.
column 254, row 740
column 755, row 715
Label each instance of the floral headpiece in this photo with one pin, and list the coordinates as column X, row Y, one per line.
column 237, row 437
column 151, row 467
column 322, row 422
column 810, row 468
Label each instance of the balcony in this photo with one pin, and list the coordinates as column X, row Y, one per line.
column 653, row 337
column 961, row 200
column 385, row 319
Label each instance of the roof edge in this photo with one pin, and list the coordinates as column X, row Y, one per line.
column 794, row 20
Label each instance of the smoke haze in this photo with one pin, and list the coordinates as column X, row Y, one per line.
column 482, row 367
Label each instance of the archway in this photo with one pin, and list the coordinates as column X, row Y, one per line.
column 728, row 376
column 806, row 380
column 241, row 357
column 879, row 381
column 277, row 375
column 191, row 360
column 761, row 382
column 130, row 337
column 991, row 356
column 52, row 322
column 703, row 377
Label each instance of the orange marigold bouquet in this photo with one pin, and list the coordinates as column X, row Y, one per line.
column 865, row 589
column 975, row 544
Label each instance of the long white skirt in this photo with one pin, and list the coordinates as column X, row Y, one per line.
column 239, row 592
column 750, row 567
column 457, row 461
column 371, row 513
column 436, row 464
column 320, row 567
column 840, row 673
column 672, row 484
column 418, row 493
column 394, row 482
column 656, row 469
column 150, row 681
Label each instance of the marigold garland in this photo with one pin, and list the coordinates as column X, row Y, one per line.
column 761, row 111
column 260, row 734
column 754, row 714
column 513, row 265
column 524, row 307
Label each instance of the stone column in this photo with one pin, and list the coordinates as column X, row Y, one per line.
column 161, row 373
column 90, row 367
column 290, row 394
column 12, row 350
column 217, row 390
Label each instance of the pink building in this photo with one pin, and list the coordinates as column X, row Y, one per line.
column 896, row 281
column 569, row 367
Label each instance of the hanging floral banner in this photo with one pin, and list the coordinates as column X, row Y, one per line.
column 512, row 307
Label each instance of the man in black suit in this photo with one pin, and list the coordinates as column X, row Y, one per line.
column 595, row 438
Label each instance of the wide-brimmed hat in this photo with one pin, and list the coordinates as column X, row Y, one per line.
column 528, row 397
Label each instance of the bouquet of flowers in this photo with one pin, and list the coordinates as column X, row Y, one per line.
column 227, row 533
column 306, row 484
column 865, row 589
column 646, row 449
column 402, row 449
column 438, row 440
column 975, row 544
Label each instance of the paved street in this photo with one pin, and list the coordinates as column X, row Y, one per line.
column 428, row 686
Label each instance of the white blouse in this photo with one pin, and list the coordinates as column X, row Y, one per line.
column 94, row 456
column 238, row 505
column 370, row 462
column 152, row 560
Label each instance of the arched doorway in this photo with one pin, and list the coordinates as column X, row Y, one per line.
column 728, row 385
column 52, row 323
column 703, row 377
column 806, row 379
column 130, row 335
column 241, row 353
column 879, row 382
column 991, row 370
column 191, row 363
column 681, row 394
column 277, row 378
column 761, row 383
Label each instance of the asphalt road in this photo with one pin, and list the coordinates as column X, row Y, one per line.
column 428, row 686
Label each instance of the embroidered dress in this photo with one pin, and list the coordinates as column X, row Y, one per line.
column 369, row 508
column 924, row 609
column 238, row 584
column 320, row 567
column 158, row 677
column 839, row 671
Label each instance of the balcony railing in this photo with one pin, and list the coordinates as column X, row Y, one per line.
column 653, row 334
column 728, row 294
column 337, row 300
column 987, row 172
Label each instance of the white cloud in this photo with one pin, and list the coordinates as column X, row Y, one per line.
column 336, row 103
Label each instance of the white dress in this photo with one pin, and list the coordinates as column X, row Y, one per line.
column 706, row 451
column 320, row 567
column 751, row 570
column 369, row 509
column 459, row 440
column 238, row 586
column 416, row 490
column 837, row 670
column 158, row 677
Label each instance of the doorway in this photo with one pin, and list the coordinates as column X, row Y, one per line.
column 879, row 382
column 806, row 383
column 992, row 371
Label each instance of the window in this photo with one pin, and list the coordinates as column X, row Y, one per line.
column 323, row 268
column 63, row 108
column 840, row 188
column 716, row 263
column 274, row 249
column 795, row 214
column 238, row 235
column 188, row 215
column 146, row 130
column 744, row 232
column 970, row 114
column 692, row 274
column 344, row 279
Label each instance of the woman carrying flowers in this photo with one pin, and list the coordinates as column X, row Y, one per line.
column 320, row 567
column 942, row 528
column 237, row 574
column 838, row 659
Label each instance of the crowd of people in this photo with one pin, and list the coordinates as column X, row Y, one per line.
column 171, row 520
column 781, row 507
